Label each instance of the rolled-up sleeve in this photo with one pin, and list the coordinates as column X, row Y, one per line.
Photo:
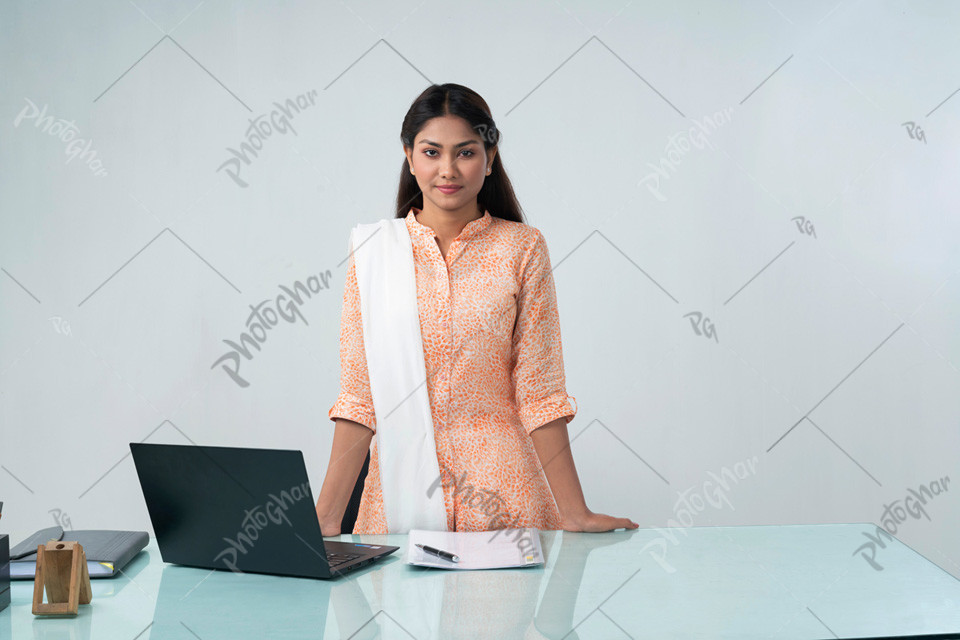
column 538, row 374
column 354, row 401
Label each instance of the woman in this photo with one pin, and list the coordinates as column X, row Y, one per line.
column 491, row 342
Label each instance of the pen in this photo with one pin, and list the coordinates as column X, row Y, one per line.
column 446, row 555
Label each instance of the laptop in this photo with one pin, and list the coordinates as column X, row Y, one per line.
column 237, row 509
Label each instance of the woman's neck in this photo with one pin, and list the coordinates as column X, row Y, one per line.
column 448, row 224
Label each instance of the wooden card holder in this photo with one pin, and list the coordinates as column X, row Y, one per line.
column 62, row 569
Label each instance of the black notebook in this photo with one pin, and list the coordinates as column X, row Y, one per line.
column 107, row 551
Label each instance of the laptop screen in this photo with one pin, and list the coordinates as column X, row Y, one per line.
column 237, row 509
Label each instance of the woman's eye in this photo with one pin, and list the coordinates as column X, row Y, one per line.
column 430, row 152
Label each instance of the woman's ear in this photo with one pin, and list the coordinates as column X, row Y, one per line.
column 407, row 151
column 491, row 154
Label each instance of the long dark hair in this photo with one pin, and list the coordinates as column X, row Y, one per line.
column 496, row 195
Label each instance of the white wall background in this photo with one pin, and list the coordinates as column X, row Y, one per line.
column 812, row 229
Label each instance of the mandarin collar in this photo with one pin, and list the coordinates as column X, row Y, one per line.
column 471, row 229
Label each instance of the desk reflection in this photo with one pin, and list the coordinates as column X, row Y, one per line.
column 198, row 603
column 530, row 603
column 81, row 626
column 389, row 599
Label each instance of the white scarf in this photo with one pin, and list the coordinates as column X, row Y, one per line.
column 386, row 279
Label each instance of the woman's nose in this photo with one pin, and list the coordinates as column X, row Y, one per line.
column 448, row 167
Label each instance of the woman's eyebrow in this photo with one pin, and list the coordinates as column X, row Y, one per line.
column 462, row 144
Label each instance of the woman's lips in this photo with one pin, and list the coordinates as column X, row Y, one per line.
column 450, row 189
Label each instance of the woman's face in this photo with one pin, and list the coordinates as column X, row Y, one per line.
column 447, row 151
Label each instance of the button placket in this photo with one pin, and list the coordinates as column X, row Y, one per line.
column 444, row 324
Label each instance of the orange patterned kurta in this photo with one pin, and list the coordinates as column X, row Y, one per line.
column 491, row 341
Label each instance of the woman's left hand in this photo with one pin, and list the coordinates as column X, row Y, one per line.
column 589, row 521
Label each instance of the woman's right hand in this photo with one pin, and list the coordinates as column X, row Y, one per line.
column 351, row 441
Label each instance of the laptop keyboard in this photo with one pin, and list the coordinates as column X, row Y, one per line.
column 337, row 559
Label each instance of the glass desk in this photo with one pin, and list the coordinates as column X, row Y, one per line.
column 794, row 581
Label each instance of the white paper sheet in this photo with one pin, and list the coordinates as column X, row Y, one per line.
column 477, row 549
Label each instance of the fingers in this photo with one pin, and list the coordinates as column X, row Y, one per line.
column 612, row 523
column 599, row 523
